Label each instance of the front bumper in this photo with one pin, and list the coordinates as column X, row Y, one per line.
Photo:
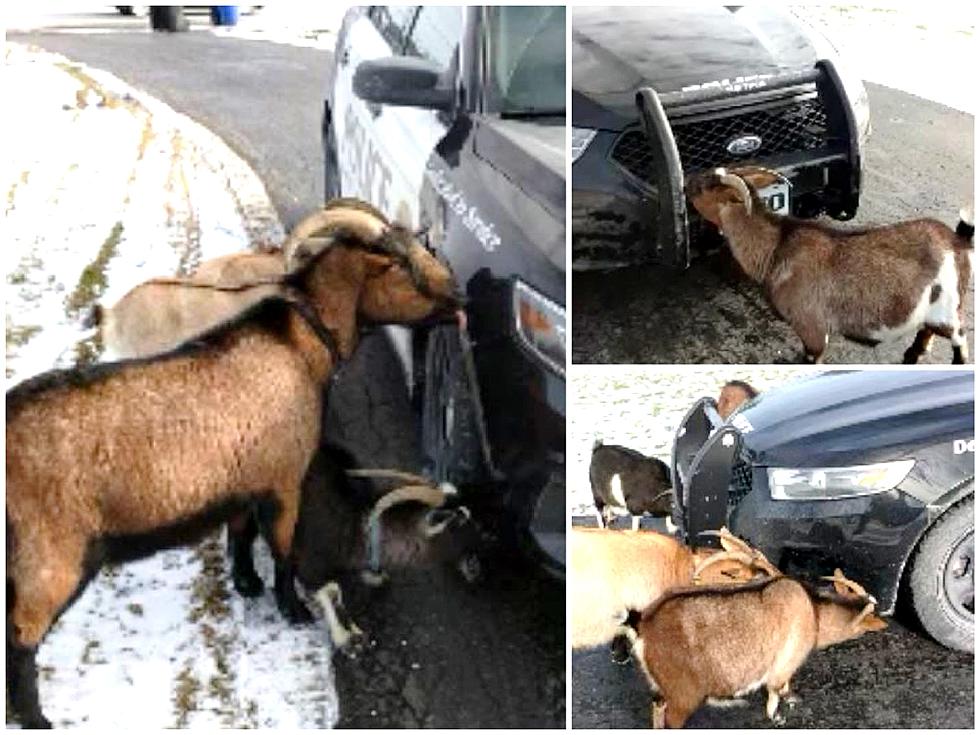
column 628, row 201
column 715, row 483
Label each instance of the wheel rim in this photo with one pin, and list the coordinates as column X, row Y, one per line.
column 958, row 577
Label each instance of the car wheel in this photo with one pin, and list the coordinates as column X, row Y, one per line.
column 368, row 412
column 450, row 428
column 331, row 177
column 941, row 578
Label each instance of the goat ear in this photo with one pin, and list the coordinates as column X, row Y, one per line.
column 872, row 623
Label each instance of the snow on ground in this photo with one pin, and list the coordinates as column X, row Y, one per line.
column 106, row 187
column 640, row 407
column 926, row 49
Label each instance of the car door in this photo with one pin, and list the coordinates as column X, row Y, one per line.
column 387, row 146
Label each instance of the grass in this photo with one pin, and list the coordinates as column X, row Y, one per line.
column 92, row 282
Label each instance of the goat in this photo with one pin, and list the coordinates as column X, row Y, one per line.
column 624, row 478
column 112, row 460
column 160, row 314
column 869, row 285
column 733, row 394
column 615, row 571
column 701, row 643
column 341, row 531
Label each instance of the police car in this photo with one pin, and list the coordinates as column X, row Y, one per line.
column 452, row 120
column 870, row 471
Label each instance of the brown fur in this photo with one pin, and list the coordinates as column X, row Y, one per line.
column 717, row 642
column 819, row 278
column 160, row 314
column 615, row 571
column 129, row 447
column 733, row 394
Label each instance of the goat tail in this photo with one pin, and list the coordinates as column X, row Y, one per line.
column 596, row 443
column 94, row 318
column 966, row 225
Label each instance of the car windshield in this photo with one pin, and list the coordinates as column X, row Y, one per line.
column 527, row 60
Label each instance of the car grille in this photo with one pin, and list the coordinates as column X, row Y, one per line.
column 801, row 126
column 741, row 484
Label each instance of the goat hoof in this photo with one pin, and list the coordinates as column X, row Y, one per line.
column 37, row 722
column 248, row 584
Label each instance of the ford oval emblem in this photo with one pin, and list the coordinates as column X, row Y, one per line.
column 743, row 145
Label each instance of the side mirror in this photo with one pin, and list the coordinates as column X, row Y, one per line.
column 405, row 81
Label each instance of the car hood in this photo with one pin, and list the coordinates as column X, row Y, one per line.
column 671, row 48
column 842, row 418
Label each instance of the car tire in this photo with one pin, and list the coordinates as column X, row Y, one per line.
column 368, row 412
column 944, row 554
column 168, row 18
column 450, row 426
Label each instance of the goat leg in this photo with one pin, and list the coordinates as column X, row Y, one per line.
column 287, row 600
column 772, row 708
column 242, row 532
column 22, row 685
column 341, row 632
column 921, row 345
column 658, row 715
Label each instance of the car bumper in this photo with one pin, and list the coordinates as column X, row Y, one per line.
column 869, row 538
column 630, row 207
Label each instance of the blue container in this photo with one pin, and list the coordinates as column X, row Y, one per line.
column 224, row 15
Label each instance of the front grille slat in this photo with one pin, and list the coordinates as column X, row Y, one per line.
column 741, row 483
column 800, row 126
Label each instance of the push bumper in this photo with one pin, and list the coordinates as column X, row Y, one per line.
column 715, row 485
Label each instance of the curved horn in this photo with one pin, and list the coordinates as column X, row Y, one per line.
column 735, row 182
column 363, row 223
column 391, row 475
column 731, row 542
column 839, row 578
column 434, row 497
column 721, row 556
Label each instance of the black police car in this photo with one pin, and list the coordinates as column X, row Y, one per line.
column 452, row 119
column 869, row 471
column 720, row 85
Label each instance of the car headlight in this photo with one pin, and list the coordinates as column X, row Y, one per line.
column 581, row 137
column 831, row 483
column 540, row 325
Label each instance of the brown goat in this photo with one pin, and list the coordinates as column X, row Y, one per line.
column 115, row 460
column 726, row 641
column 162, row 313
column 615, row 571
column 870, row 285
column 733, row 394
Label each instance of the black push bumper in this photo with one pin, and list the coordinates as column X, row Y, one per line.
column 716, row 484
column 832, row 171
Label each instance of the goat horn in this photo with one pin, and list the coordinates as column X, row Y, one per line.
column 719, row 557
column 382, row 474
column 364, row 223
column 731, row 542
column 739, row 186
column 849, row 583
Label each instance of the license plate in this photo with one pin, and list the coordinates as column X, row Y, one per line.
column 776, row 196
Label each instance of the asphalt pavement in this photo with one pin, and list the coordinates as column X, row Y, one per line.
column 484, row 656
column 918, row 163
